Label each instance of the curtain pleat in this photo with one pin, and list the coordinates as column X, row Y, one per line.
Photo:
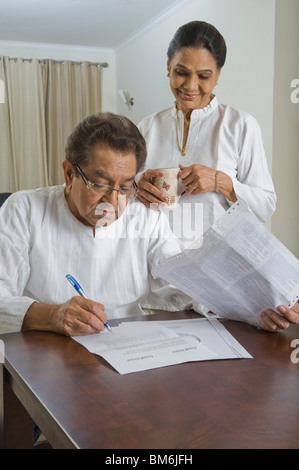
column 45, row 100
column 6, row 167
column 59, row 119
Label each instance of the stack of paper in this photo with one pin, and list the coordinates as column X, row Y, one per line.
column 136, row 346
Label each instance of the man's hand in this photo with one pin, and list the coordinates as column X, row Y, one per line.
column 273, row 321
column 78, row 316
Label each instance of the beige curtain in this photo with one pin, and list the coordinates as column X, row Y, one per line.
column 74, row 92
column 59, row 120
column 6, row 168
column 45, row 100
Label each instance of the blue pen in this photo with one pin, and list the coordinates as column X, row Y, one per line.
column 80, row 291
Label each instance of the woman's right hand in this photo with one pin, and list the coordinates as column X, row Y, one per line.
column 148, row 193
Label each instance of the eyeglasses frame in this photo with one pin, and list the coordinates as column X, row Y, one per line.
column 89, row 184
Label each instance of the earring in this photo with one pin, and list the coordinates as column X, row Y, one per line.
column 168, row 75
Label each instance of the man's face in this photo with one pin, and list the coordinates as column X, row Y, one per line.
column 96, row 206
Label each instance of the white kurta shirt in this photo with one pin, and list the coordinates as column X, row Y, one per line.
column 222, row 138
column 41, row 242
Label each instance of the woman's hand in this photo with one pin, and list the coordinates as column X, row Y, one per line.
column 273, row 321
column 147, row 192
column 202, row 179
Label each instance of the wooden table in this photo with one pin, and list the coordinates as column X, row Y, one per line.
column 80, row 401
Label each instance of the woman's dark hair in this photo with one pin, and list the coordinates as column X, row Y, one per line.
column 201, row 35
column 116, row 132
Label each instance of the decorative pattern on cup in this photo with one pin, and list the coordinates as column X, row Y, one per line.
column 168, row 183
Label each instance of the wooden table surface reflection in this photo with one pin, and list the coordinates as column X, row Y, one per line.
column 80, row 401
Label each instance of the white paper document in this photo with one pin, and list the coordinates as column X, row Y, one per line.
column 137, row 346
column 240, row 270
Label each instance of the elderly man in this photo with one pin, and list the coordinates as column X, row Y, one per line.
column 94, row 229
column 91, row 228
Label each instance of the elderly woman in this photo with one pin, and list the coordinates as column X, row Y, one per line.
column 92, row 228
column 218, row 148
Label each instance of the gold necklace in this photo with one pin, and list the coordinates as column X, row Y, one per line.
column 182, row 149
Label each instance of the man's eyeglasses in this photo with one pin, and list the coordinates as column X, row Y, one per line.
column 105, row 189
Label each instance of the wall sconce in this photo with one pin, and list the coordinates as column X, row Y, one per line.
column 125, row 97
column 2, row 92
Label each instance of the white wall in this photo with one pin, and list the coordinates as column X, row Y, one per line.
column 75, row 53
column 246, row 81
column 254, row 32
column 140, row 66
column 285, row 222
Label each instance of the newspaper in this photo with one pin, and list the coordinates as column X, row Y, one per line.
column 240, row 270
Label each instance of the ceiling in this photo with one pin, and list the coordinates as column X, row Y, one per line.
column 93, row 23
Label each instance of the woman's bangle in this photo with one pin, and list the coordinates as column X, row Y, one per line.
column 216, row 182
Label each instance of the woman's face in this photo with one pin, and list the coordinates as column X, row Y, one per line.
column 193, row 75
column 107, row 166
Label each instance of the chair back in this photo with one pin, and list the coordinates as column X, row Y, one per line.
column 3, row 197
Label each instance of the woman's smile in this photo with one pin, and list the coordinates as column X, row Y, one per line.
column 189, row 96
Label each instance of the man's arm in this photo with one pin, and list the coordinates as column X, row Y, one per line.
column 78, row 316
